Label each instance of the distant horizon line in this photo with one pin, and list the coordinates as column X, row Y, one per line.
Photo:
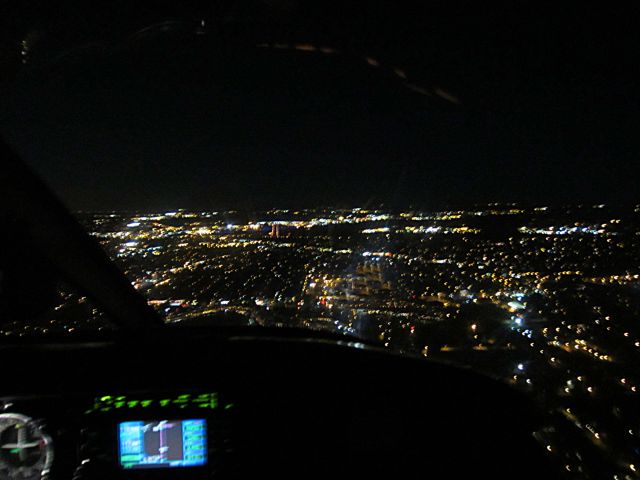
column 380, row 207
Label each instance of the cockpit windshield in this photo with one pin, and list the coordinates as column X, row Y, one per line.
column 451, row 184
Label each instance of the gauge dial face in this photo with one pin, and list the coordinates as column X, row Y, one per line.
column 25, row 451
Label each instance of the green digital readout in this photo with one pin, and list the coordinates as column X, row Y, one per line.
column 110, row 403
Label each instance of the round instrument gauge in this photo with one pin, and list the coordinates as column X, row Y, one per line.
column 26, row 451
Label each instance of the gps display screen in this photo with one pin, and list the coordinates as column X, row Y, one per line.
column 162, row 443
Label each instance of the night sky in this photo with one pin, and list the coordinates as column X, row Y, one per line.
column 445, row 106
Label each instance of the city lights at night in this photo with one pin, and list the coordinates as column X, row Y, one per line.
column 553, row 315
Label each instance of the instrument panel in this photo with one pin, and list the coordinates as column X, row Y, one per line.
column 247, row 406
column 116, row 437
